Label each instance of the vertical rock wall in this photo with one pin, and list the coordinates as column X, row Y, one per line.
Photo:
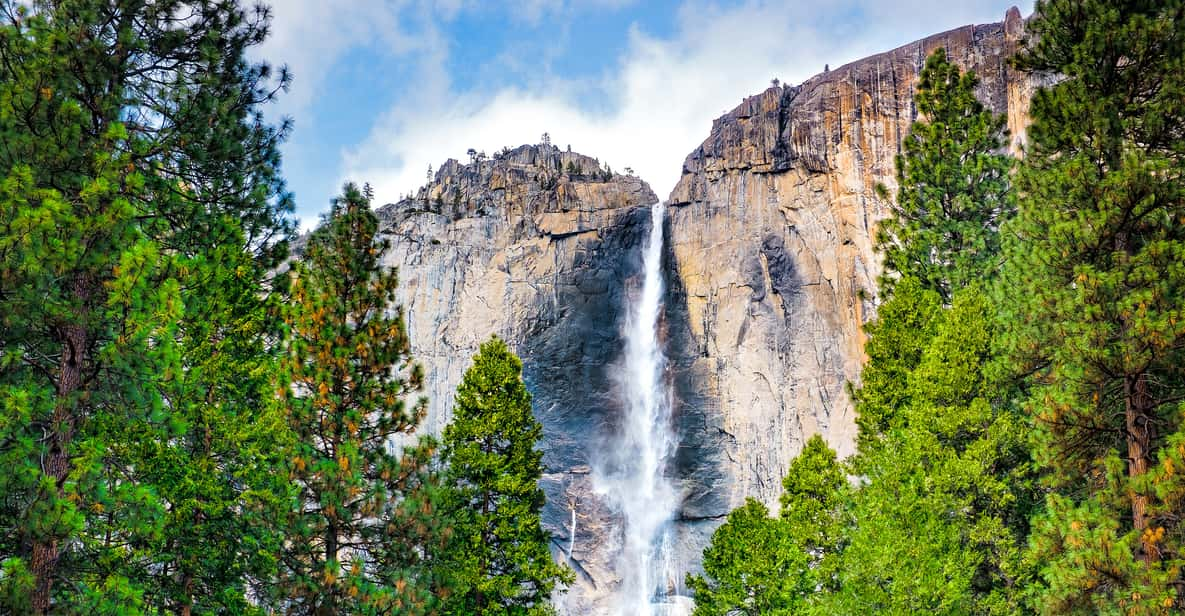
column 770, row 274
column 771, row 259
column 539, row 247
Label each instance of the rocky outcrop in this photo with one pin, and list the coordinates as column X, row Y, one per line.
column 770, row 273
column 771, row 263
column 537, row 246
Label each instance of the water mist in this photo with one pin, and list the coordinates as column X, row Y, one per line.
column 636, row 480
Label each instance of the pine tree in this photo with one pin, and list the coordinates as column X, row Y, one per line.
column 1096, row 284
column 814, row 499
column 135, row 170
column 904, row 325
column 362, row 518
column 756, row 564
column 499, row 558
column 953, row 185
column 939, row 520
column 945, row 486
column 752, row 567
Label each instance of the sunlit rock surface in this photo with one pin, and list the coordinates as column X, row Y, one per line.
column 536, row 246
column 771, row 261
column 769, row 269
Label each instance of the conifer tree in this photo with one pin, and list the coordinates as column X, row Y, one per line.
column 362, row 517
column 942, row 513
column 814, row 498
column 756, row 564
column 135, row 170
column 953, row 185
column 752, row 566
column 499, row 560
column 945, row 489
column 1095, row 286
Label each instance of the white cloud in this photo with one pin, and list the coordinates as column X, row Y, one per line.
column 311, row 36
column 661, row 95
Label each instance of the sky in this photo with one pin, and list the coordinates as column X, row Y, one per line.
column 384, row 88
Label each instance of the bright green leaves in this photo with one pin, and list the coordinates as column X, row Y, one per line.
column 498, row 562
column 896, row 342
column 941, row 517
column 131, row 366
column 936, row 516
column 753, row 566
column 757, row 564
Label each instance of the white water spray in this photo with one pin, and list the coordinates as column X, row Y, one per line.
column 636, row 481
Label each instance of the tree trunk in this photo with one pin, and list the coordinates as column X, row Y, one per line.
column 1138, row 415
column 45, row 553
column 187, row 588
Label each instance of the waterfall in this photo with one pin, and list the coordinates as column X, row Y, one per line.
column 636, row 481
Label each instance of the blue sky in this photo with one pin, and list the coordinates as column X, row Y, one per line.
column 385, row 88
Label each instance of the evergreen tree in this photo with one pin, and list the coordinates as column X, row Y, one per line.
column 1095, row 286
column 938, row 524
column 953, row 185
column 751, row 567
column 362, row 517
column 761, row 565
column 945, row 486
column 499, row 559
column 904, row 325
column 135, row 171
column 814, row 499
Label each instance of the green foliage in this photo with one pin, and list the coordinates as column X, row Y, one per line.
column 814, row 495
column 759, row 565
column 140, row 208
column 940, row 521
column 897, row 339
column 939, row 513
column 364, row 513
column 953, row 186
column 1094, row 287
column 751, row 567
column 498, row 561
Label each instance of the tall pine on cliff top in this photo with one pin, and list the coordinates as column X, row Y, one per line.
column 364, row 510
column 953, row 185
column 129, row 135
column 499, row 559
column 1096, row 289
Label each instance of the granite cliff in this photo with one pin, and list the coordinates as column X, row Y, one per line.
column 769, row 268
column 537, row 246
column 771, row 259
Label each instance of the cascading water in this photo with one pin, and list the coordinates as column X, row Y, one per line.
column 636, row 480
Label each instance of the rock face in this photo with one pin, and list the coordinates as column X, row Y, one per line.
column 771, row 263
column 770, row 274
column 539, row 247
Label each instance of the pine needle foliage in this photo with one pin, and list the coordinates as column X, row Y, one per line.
column 498, row 561
column 1095, row 283
column 953, row 179
column 140, row 210
column 364, row 511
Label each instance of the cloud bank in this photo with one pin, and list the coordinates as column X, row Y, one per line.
column 648, row 108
